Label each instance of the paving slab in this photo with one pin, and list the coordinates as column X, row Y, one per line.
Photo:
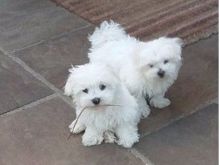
column 26, row 22
column 17, row 86
column 38, row 136
column 190, row 141
column 52, row 59
column 196, row 85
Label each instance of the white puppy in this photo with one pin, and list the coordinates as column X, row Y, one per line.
column 148, row 69
column 94, row 86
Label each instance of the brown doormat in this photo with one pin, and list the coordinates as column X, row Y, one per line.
column 148, row 19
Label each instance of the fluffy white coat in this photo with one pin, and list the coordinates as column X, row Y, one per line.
column 96, row 81
column 146, row 68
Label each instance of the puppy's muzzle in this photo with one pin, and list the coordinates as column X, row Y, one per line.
column 161, row 73
column 96, row 100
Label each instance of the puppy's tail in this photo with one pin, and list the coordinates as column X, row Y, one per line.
column 108, row 31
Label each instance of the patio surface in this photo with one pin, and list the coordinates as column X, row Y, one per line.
column 38, row 43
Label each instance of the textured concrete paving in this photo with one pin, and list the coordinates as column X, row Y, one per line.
column 17, row 86
column 38, row 136
column 26, row 22
column 56, row 56
column 38, row 42
column 192, row 140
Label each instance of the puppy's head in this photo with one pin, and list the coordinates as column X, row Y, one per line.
column 160, row 60
column 91, row 85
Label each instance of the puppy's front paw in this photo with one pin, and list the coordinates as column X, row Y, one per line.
column 160, row 102
column 78, row 128
column 127, row 140
column 127, row 143
column 91, row 140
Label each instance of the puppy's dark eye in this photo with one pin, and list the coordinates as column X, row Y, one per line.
column 151, row 66
column 85, row 90
column 166, row 61
column 102, row 87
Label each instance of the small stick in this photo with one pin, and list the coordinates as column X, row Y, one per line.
column 76, row 121
column 81, row 114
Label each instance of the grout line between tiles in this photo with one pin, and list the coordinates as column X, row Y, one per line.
column 139, row 155
column 71, row 31
column 213, row 101
column 40, row 78
column 32, row 104
column 50, row 38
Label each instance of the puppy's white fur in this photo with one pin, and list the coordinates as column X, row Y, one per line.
column 86, row 83
column 138, row 63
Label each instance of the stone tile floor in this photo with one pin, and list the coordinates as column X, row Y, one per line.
column 38, row 42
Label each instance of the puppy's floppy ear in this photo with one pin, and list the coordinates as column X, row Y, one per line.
column 68, row 88
column 177, row 44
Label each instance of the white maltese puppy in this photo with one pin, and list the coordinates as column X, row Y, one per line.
column 93, row 86
column 148, row 69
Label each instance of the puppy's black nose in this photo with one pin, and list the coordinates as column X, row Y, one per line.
column 161, row 73
column 96, row 100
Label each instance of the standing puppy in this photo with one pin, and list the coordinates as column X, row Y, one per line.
column 94, row 86
column 146, row 68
